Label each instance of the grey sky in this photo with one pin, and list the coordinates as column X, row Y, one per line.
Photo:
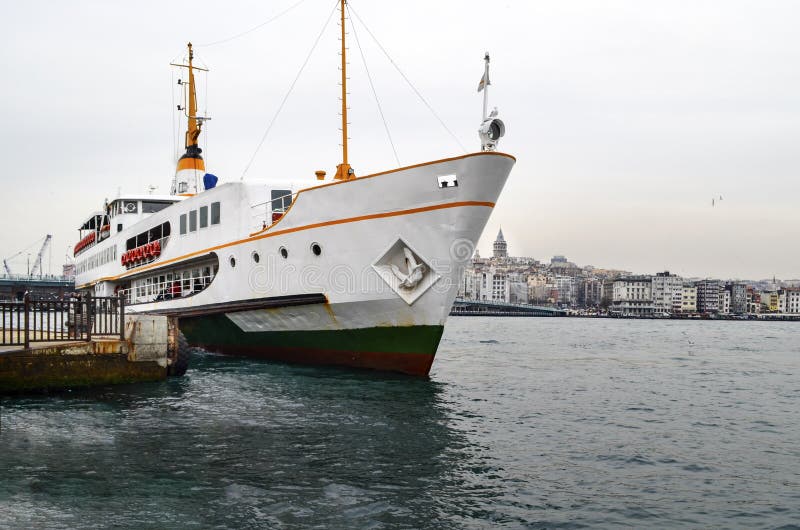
column 626, row 117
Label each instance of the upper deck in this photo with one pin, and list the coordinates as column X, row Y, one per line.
column 119, row 214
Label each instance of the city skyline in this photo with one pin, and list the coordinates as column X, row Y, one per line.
column 502, row 278
column 490, row 248
column 626, row 122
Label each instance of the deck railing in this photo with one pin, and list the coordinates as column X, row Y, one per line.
column 74, row 319
column 168, row 289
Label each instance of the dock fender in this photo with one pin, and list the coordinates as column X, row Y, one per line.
column 178, row 359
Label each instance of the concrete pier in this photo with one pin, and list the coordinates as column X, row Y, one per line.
column 144, row 355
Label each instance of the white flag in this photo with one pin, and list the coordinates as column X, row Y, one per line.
column 484, row 82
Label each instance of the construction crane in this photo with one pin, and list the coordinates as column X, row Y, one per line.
column 37, row 264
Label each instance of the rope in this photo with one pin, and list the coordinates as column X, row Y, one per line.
column 242, row 34
column 283, row 102
column 409, row 82
column 374, row 92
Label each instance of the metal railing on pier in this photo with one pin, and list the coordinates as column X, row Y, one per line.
column 74, row 319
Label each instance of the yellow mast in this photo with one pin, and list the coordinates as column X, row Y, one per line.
column 343, row 170
column 193, row 131
column 190, row 165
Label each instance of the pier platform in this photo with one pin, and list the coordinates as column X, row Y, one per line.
column 141, row 354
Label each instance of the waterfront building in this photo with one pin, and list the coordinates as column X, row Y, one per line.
column 707, row 296
column 666, row 289
column 498, row 283
column 565, row 287
column 537, row 288
column 738, row 298
column 725, row 301
column 500, row 246
column 688, row 298
column 591, row 289
column 753, row 301
column 470, row 285
column 770, row 301
column 607, row 292
column 789, row 299
column 632, row 296
column 517, row 289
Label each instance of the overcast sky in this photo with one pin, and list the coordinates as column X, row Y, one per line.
column 626, row 117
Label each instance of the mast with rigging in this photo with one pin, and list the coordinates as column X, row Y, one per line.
column 343, row 170
column 190, row 166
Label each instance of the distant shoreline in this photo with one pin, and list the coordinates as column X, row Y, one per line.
column 760, row 318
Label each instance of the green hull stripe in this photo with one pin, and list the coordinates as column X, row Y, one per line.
column 218, row 329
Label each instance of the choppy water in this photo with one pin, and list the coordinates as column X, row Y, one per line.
column 531, row 423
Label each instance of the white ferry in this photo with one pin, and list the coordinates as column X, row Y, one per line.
column 283, row 271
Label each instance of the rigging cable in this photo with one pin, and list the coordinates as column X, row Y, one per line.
column 283, row 102
column 172, row 115
column 409, row 82
column 205, row 115
column 242, row 34
column 374, row 92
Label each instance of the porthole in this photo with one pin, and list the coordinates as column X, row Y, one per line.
column 284, row 252
column 316, row 249
column 232, row 261
column 256, row 257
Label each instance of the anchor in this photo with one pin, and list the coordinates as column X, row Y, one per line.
column 416, row 271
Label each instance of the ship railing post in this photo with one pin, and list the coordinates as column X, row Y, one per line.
column 88, row 316
column 121, row 322
column 26, row 308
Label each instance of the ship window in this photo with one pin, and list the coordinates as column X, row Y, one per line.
column 192, row 220
column 130, row 207
column 214, row 213
column 153, row 206
column 183, row 224
column 119, row 227
column 281, row 199
column 284, row 252
column 203, row 216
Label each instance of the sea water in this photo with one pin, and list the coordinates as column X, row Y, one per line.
column 523, row 423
